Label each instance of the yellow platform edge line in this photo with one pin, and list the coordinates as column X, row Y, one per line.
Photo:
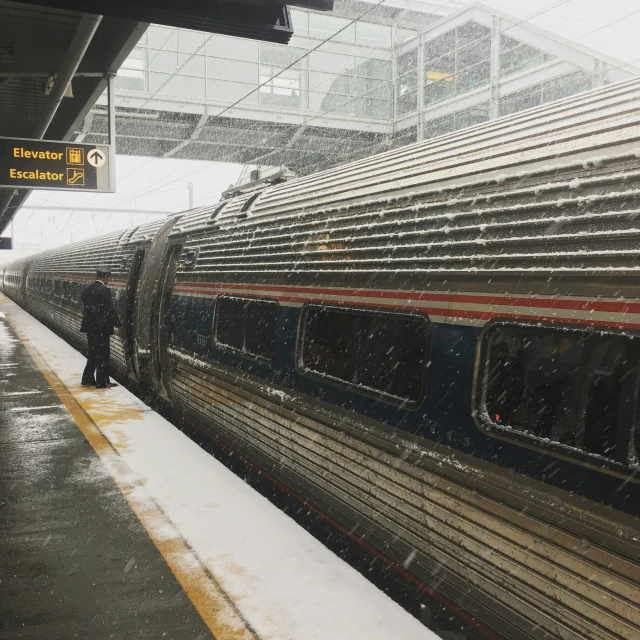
column 215, row 607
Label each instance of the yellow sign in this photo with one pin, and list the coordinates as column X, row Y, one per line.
column 51, row 164
column 75, row 156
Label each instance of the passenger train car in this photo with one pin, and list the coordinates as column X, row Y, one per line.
column 436, row 347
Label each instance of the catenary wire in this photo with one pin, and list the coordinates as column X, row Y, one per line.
column 123, row 97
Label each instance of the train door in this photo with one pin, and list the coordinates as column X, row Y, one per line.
column 23, row 284
column 144, row 314
column 162, row 322
column 131, row 295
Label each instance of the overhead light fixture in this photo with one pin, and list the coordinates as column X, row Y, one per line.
column 50, row 83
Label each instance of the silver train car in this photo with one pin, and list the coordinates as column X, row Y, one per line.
column 435, row 348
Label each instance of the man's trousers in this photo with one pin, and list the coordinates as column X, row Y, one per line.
column 97, row 370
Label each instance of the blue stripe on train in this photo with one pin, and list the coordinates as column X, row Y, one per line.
column 445, row 413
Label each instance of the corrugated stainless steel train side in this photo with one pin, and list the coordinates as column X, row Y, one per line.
column 531, row 219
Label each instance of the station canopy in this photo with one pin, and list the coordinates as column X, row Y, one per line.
column 257, row 19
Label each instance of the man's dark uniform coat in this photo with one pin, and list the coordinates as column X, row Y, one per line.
column 98, row 321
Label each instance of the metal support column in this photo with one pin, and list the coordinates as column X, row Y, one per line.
column 599, row 72
column 111, row 100
column 394, row 82
column 420, row 87
column 81, row 40
column 494, row 98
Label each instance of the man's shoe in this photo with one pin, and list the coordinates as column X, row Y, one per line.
column 88, row 384
column 106, row 386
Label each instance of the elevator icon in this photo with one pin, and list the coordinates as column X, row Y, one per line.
column 75, row 155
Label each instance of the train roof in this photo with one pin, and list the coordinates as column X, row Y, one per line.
column 552, row 189
column 86, row 256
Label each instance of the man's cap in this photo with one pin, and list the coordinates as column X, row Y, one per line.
column 103, row 272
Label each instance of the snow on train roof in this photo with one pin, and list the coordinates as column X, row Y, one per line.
column 87, row 255
column 548, row 190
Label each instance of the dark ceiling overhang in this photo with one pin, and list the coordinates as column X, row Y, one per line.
column 37, row 42
column 257, row 19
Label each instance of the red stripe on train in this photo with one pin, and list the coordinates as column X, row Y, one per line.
column 480, row 315
column 466, row 313
column 549, row 303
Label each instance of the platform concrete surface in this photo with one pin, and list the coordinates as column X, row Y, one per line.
column 75, row 561
column 114, row 524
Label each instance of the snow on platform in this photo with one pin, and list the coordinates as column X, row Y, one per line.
column 251, row 571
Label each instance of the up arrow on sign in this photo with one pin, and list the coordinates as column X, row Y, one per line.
column 96, row 158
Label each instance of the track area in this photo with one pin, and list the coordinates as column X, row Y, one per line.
column 224, row 563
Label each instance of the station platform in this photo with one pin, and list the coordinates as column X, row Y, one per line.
column 114, row 524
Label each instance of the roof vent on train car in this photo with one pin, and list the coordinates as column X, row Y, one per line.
column 244, row 210
column 217, row 211
column 127, row 235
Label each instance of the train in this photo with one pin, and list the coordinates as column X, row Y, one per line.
column 435, row 347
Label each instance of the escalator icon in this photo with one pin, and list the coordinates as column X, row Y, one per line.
column 75, row 177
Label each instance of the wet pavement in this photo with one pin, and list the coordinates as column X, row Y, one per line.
column 75, row 562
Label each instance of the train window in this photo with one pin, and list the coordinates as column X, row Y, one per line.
column 375, row 352
column 561, row 385
column 329, row 343
column 260, row 335
column 230, row 321
column 246, row 325
column 393, row 355
column 190, row 258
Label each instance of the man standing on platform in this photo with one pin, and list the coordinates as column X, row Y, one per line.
column 98, row 321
